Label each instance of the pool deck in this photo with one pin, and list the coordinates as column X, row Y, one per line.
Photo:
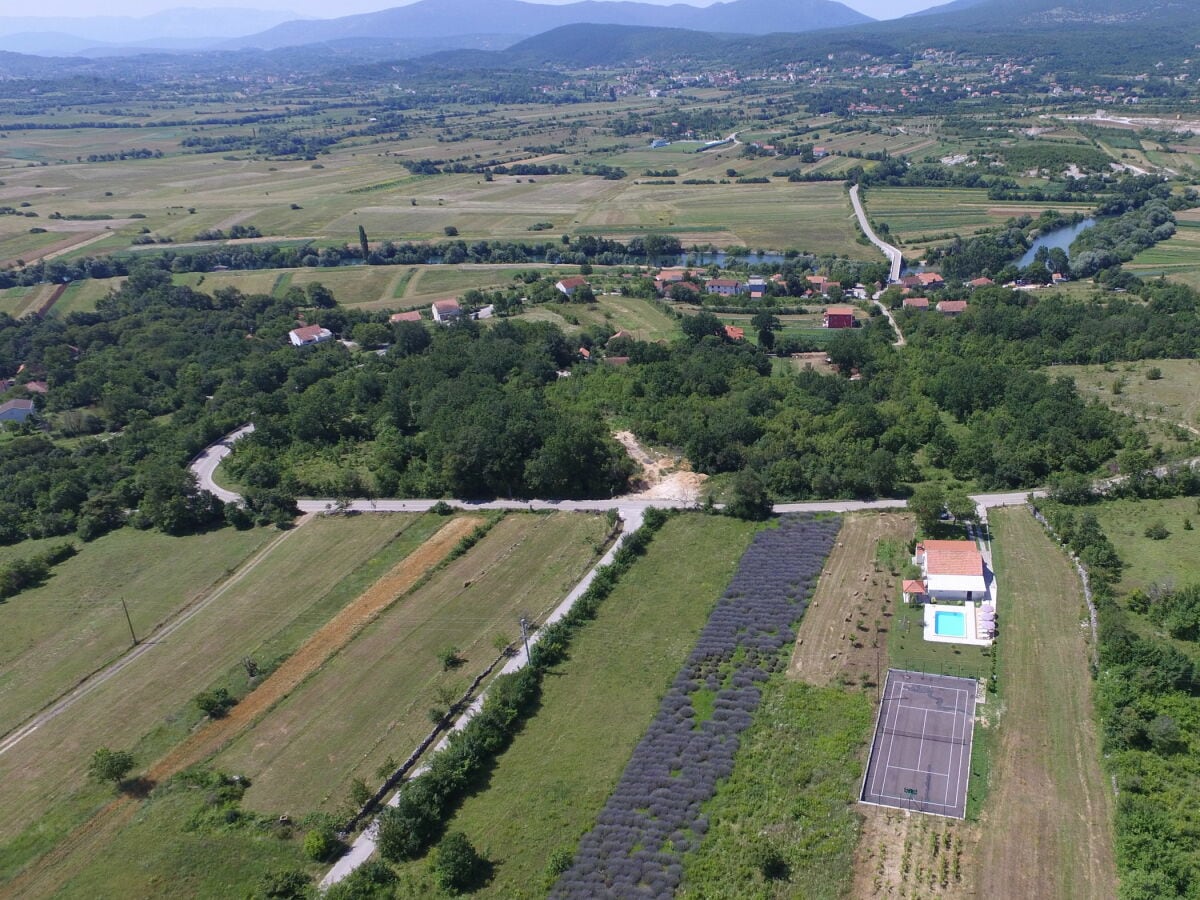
column 970, row 613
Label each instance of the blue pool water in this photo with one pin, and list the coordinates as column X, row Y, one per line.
column 950, row 624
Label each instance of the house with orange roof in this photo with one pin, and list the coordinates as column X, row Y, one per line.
column 952, row 570
column 734, row 333
column 916, row 303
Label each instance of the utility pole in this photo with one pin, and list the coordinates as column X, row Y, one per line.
column 525, row 638
column 129, row 622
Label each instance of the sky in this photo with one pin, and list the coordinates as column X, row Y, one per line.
column 879, row 9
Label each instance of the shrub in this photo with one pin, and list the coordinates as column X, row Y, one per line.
column 457, row 864
column 321, row 844
column 1157, row 531
column 215, row 703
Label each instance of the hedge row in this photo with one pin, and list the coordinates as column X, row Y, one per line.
column 427, row 801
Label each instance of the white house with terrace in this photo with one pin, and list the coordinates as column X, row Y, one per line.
column 958, row 592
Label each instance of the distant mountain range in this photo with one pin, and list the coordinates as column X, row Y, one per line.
column 177, row 29
column 439, row 23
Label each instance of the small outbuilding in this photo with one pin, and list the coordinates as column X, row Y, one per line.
column 839, row 317
column 16, row 411
column 445, row 311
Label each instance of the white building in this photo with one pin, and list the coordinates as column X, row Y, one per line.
column 952, row 570
column 309, row 335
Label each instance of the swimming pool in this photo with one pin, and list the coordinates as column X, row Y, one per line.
column 949, row 624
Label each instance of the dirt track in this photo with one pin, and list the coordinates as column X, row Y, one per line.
column 46, row 875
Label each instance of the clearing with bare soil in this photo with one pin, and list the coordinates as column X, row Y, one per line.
column 903, row 854
column 663, row 477
column 843, row 635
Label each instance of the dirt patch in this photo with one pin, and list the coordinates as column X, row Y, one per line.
column 843, row 635
column 902, row 854
column 663, row 477
column 52, row 870
column 817, row 361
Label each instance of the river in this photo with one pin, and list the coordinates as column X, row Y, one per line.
column 1059, row 237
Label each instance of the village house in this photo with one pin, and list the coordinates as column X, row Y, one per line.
column 445, row 311
column 952, row 308
column 725, row 287
column 980, row 282
column 411, row 316
column 838, row 317
column 568, row 286
column 734, row 333
column 916, row 303
column 16, row 411
column 309, row 335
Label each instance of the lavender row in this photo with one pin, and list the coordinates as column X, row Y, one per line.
column 655, row 814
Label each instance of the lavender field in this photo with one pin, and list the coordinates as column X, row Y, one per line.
column 655, row 815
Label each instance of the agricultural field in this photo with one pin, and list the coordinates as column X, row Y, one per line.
column 371, row 700
column 1049, row 828
column 843, row 635
column 1170, row 561
column 1177, row 258
column 548, row 787
column 656, row 817
column 146, row 707
column 57, row 634
column 920, row 217
column 641, row 318
column 798, row 767
column 1168, row 407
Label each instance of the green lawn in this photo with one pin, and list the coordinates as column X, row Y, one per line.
column 1173, row 560
column 548, row 787
column 908, row 649
column 793, row 787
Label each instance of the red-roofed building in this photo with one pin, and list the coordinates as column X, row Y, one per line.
column 446, row 310
column 916, row 303
column 569, row 286
column 839, row 317
column 980, row 282
column 36, row 387
column 914, row 591
column 734, row 333
column 952, row 307
column 411, row 316
column 953, row 570
column 930, row 279
column 309, row 335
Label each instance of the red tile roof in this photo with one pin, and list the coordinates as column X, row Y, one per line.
column 411, row 316
column 734, row 333
column 916, row 302
column 573, row 282
column 952, row 306
column 914, row 586
column 840, row 311
column 308, row 332
column 953, row 558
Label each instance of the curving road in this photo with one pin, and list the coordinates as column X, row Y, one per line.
column 206, row 462
column 893, row 253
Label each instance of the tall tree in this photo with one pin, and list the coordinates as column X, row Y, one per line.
column 364, row 244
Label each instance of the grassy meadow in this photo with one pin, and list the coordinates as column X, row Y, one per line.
column 371, row 700
column 269, row 609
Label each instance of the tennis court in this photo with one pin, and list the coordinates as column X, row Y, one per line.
column 921, row 752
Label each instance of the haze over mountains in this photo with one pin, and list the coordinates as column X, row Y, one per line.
column 440, row 22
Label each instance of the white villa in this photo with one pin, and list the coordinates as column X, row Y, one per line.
column 958, row 590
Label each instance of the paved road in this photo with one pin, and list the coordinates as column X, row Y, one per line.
column 206, row 463
column 892, row 253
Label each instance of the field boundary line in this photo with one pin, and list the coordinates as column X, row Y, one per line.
column 321, row 646
column 164, row 629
